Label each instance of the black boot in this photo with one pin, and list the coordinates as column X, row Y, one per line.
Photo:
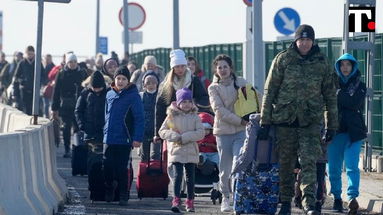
column 338, row 205
column 353, row 207
column 285, row 208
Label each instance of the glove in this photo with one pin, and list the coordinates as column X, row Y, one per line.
column 263, row 132
column 328, row 135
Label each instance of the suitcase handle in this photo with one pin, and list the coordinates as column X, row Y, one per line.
column 269, row 151
column 161, row 158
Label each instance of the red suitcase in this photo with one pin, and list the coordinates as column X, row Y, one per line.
column 152, row 177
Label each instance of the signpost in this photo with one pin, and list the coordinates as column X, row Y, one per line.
column 248, row 2
column 36, row 80
column 103, row 45
column 286, row 21
column 1, row 30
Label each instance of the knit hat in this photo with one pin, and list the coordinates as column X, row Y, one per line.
column 207, row 120
column 122, row 70
column 183, row 94
column 150, row 75
column 110, row 62
column 305, row 31
column 97, row 80
column 177, row 57
column 70, row 57
column 150, row 59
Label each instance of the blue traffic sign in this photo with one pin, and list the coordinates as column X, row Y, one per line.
column 103, row 45
column 248, row 2
column 286, row 20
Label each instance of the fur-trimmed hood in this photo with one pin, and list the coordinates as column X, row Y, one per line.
column 86, row 82
column 174, row 110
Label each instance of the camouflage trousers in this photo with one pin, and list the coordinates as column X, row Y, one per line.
column 305, row 143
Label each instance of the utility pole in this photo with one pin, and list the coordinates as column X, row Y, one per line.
column 36, row 79
column 176, row 25
column 258, row 49
column 126, row 26
column 98, row 27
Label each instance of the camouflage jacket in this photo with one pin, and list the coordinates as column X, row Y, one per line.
column 300, row 88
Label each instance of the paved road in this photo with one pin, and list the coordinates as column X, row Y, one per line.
column 80, row 204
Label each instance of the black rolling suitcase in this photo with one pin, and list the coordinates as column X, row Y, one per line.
column 79, row 155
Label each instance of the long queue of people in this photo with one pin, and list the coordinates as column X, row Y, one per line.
column 310, row 107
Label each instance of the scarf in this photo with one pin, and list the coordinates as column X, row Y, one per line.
column 179, row 83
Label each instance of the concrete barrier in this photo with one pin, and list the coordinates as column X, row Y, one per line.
column 29, row 181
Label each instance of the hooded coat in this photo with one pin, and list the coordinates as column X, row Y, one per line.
column 351, row 95
column 182, row 131
column 121, row 127
column 149, row 102
column 90, row 113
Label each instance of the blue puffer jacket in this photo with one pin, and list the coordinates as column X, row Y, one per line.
column 118, row 121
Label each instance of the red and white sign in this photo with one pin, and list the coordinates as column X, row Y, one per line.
column 136, row 16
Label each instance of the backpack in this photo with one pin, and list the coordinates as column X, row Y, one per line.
column 247, row 102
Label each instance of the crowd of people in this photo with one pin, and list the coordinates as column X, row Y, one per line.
column 315, row 107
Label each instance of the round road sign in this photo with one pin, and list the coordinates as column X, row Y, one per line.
column 248, row 2
column 137, row 16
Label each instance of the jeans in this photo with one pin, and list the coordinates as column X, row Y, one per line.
column 212, row 156
column 178, row 172
column 339, row 150
column 228, row 148
column 116, row 158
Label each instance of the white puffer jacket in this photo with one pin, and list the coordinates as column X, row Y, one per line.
column 182, row 131
column 222, row 96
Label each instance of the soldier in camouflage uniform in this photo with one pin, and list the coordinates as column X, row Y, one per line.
column 299, row 90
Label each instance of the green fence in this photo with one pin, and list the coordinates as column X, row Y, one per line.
column 331, row 46
column 204, row 55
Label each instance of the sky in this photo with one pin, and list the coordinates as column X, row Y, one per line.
column 71, row 27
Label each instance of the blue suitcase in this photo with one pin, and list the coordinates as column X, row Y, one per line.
column 256, row 189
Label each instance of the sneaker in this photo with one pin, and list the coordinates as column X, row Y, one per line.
column 353, row 207
column 176, row 204
column 189, row 205
column 109, row 191
column 225, row 205
column 338, row 205
column 285, row 208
